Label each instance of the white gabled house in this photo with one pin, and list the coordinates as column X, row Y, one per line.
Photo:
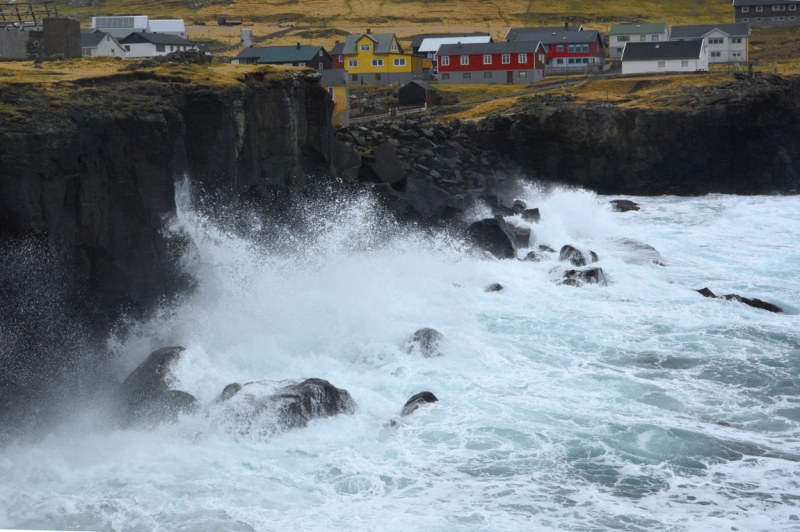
column 727, row 43
column 100, row 43
column 672, row 56
column 150, row 45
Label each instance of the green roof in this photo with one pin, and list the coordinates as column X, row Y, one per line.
column 289, row 54
column 636, row 29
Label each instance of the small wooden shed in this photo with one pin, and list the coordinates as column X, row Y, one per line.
column 417, row 93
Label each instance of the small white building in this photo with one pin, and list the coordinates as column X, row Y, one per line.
column 726, row 43
column 150, row 45
column 622, row 34
column 168, row 26
column 672, row 56
column 120, row 27
column 100, row 43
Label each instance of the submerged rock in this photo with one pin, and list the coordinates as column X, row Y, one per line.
column 582, row 277
column 229, row 391
column 417, row 401
column 623, row 205
column 495, row 236
column 577, row 257
column 753, row 302
column 426, row 342
column 533, row 256
column 494, row 287
column 639, row 252
column 146, row 397
column 548, row 249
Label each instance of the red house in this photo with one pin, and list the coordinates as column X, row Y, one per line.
column 499, row 62
column 569, row 48
column 337, row 55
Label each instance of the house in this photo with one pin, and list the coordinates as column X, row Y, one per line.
column 335, row 82
column 624, row 33
column 504, row 62
column 149, row 45
column 569, row 49
column 337, row 55
column 100, row 43
column 299, row 55
column 726, row 43
column 430, row 46
column 767, row 13
column 379, row 59
column 168, row 26
column 513, row 33
column 672, row 56
column 416, row 42
column 417, row 93
column 249, row 55
column 121, row 27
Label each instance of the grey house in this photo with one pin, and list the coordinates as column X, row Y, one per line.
column 767, row 13
column 249, row 55
column 727, row 43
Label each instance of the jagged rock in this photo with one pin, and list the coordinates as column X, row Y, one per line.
column 577, row 256
column 522, row 235
column 531, row 215
column 417, row 401
column 548, row 249
column 533, row 256
column 495, row 236
column 387, row 165
column 425, row 342
column 582, row 277
column 494, row 287
column 429, row 201
column 145, row 396
column 752, row 302
column 623, row 205
column 519, row 207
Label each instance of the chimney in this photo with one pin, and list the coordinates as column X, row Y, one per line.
column 298, row 46
column 368, row 32
column 459, row 44
column 566, row 25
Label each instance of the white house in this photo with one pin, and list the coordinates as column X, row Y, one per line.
column 168, row 26
column 621, row 34
column 727, row 43
column 120, row 27
column 149, row 45
column 671, row 56
column 100, row 43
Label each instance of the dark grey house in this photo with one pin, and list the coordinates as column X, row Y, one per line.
column 417, row 93
column 249, row 55
column 767, row 13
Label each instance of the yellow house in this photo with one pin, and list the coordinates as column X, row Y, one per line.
column 377, row 58
column 334, row 81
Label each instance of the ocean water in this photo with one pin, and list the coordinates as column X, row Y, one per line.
column 634, row 406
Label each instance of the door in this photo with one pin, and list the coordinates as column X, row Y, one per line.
column 510, row 76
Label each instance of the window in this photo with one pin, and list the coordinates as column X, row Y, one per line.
column 87, row 51
column 654, row 38
column 759, row 9
column 585, row 60
column 445, row 76
column 467, row 75
column 793, row 8
column 716, row 54
column 642, row 38
column 745, row 9
column 745, row 19
column 684, row 64
column 571, row 60
column 523, row 74
column 365, row 47
column 506, row 59
column 716, row 40
column 377, row 77
column 623, row 38
column 791, row 18
column 354, row 77
column 571, row 49
column 541, row 58
column 464, row 59
column 559, row 48
column 399, row 61
column 522, row 58
column 737, row 40
column 779, row 8
column 445, row 60
column 394, row 47
column 377, row 62
column 585, row 48
column 113, row 52
column 320, row 53
column 758, row 19
column 778, row 18
column 487, row 59
column 619, row 50
column 662, row 64
column 301, row 64
column 171, row 48
column 127, row 47
column 321, row 66
column 559, row 61
column 160, row 48
column 487, row 75
column 352, row 63
column 341, row 59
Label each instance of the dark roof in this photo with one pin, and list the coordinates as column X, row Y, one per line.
column 92, row 39
column 155, row 38
column 489, row 48
column 738, row 3
column 649, row 51
column 426, row 86
column 416, row 42
column 513, row 33
column 290, row 54
column 383, row 43
column 562, row 37
column 333, row 76
column 699, row 31
column 337, row 49
column 253, row 52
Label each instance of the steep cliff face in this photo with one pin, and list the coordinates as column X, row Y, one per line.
column 741, row 139
column 92, row 164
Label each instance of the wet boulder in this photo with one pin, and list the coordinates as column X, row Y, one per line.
column 622, row 205
column 752, row 302
column 417, row 401
column 145, row 395
column 637, row 252
column 533, row 256
column 531, row 215
column 577, row 257
column 495, row 236
column 425, row 342
column 494, row 287
column 229, row 391
column 583, row 277
column 546, row 248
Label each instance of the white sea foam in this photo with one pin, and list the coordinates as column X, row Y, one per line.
column 567, row 408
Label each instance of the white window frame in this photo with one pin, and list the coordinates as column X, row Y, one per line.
column 779, row 7
column 352, row 63
column 465, row 60
column 745, row 19
column 505, row 59
column 522, row 58
column 684, row 64
column 759, row 9
column 399, row 61
column 487, row 75
column 642, row 38
column 792, row 7
column 365, row 47
column 523, row 74
column 654, row 38
column 745, row 9
column 487, row 59
column 466, row 75
column 662, row 64
column 377, row 63
column 394, row 47
column 341, row 59
column 301, row 64
column 445, row 60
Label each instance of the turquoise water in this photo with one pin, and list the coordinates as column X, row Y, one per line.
column 635, row 406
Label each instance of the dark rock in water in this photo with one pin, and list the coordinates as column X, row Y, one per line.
column 146, row 396
column 543, row 247
column 426, row 341
column 417, row 401
column 428, row 200
column 494, row 287
column 582, row 277
column 533, row 256
column 753, row 302
column 313, row 398
column 229, row 391
column 495, row 236
column 623, row 205
column 577, row 256
column 531, row 215
column 522, row 236
column 519, row 207
column 387, row 165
